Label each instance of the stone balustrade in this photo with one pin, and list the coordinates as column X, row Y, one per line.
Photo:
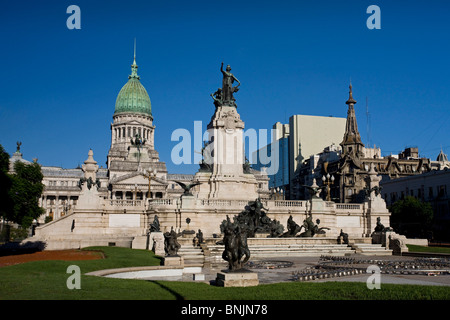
column 229, row 204
column 205, row 204
column 118, row 204
column 345, row 207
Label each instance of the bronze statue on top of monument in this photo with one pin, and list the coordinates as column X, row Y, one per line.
column 224, row 96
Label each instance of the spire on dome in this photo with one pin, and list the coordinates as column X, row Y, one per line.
column 134, row 66
column 134, row 60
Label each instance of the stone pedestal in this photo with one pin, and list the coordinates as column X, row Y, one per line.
column 391, row 240
column 317, row 204
column 139, row 242
column 199, row 277
column 188, row 234
column 173, row 261
column 396, row 242
column 241, row 278
column 262, row 234
column 156, row 243
column 377, row 238
column 226, row 157
column 188, row 201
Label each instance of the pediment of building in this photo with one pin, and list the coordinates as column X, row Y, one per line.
column 136, row 178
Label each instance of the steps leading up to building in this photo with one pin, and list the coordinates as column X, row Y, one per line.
column 371, row 249
column 296, row 250
column 193, row 256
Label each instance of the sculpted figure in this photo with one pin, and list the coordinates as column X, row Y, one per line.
column 344, row 237
column 227, row 86
column 187, row 187
column 154, row 226
column 199, row 236
column 312, row 229
column 317, row 230
column 293, row 228
column 171, row 245
column 236, row 251
column 380, row 227
column 217, row 97
column 308, row 225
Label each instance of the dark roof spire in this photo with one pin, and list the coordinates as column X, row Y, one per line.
column 350, row 95
column 351, row 135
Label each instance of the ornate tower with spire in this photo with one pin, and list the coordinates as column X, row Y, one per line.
column 352, row 144
column 351, row 170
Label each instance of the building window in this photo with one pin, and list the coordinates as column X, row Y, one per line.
column 442, row 191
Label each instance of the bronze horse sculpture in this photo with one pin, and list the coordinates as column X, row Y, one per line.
column 236, row 251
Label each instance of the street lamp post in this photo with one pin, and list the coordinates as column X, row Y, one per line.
column 136, row 194
column 278, row 193
column 328, row 180
column 149, row 174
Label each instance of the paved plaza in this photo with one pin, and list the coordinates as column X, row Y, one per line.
column 285, row 270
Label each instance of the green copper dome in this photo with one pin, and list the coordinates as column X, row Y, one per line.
column 133, row 98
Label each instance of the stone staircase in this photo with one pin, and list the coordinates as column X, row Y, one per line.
column 193, row 256
column 370, row 249
column 214, row 252
column 279, row 248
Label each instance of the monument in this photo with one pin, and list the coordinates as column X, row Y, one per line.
column 89, row 184
column 223, row 166
column 236, row 253
column 171, row 247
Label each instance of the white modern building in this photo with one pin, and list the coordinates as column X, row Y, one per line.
column 303, row 137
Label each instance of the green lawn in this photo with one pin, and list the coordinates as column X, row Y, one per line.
column 47, row 280
column 414, row 248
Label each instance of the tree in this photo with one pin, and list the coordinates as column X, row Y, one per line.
column 5, row 183
column 24, row 192
column 412, row 217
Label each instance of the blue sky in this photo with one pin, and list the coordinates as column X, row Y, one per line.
column 58, row 86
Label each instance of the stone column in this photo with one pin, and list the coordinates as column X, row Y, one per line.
column 56, row 214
